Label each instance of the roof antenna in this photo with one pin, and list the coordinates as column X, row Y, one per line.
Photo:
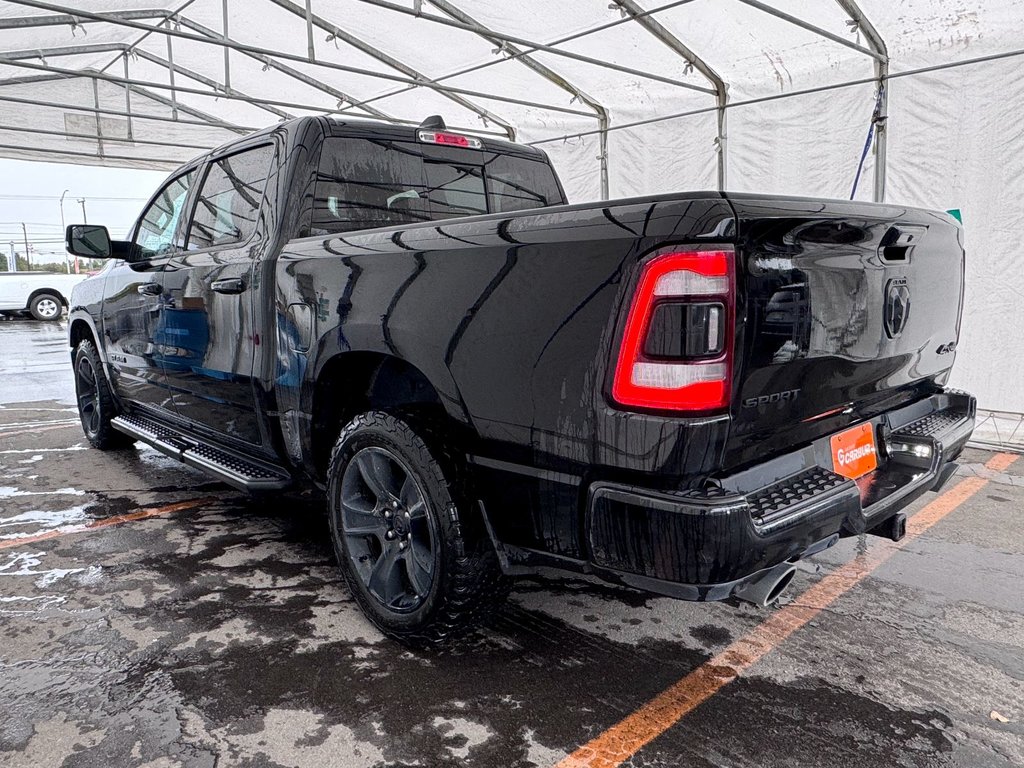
column 433, row 123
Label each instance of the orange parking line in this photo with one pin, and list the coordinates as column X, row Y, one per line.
column 627, row 737
column 129, row 517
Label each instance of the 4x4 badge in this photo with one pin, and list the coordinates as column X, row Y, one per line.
column 897, row 306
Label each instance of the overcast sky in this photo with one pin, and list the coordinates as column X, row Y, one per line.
column 30, row 193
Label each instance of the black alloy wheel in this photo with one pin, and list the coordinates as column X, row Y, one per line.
column 390, row 537
column 86, row 385
column 406, row 530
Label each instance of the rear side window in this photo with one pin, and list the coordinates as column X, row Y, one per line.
column 367, row 183
column 362, row 184
column 229, row 200
column 516, row 184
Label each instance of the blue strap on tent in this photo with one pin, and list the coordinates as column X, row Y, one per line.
column 876, row 117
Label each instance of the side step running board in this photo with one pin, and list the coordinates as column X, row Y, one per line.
column 242, row 472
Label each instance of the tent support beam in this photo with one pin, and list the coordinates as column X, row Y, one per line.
column 142, row 90
column 527, row 50
column 161, row 161
column 658, row 30
column 548, row 74
column 370, row 50
column 878, row 45
column 127, row 98
column 208, row 122
column 219, row 88
column 146, row 86
column 114, row 18
column 99, row 120
column 797, row 21
column 89, row 136
column 73, row 50
column 293, row 73
column 534, row 45
column 67, row 19
column 170, row 72
column 310, row 48
column 227, row 51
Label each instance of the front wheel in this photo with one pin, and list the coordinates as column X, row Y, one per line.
column 95, row 402
column 46, row 306
column 419, row 566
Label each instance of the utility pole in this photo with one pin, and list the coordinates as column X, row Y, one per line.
column 63, row 226
column 85, row 219
column 24, row 231
column 13, row 266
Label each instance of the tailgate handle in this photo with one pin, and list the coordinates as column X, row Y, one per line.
column 897, row 243
column 229, row 285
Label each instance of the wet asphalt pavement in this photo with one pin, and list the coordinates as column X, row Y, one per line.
column 217, row 632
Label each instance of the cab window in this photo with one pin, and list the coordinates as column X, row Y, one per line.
column 155, row 235
column 230, row 199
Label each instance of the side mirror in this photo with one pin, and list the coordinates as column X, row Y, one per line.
column 88, row 240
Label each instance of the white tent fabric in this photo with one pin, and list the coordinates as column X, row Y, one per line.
column 150, row 86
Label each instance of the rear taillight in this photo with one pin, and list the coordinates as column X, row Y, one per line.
column 676, row 350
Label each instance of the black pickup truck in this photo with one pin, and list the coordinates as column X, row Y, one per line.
column 685, row 393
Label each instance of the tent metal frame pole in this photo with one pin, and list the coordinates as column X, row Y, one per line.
column 877, row 43
column 98, row 118
column 390, row 61
column 208, row 122
column 527, row 50
column 797, row 21
column 174, row 87
column 227, row 51
column 541, row 47
column 658, row 30
column 295, row 74
column 66, row 74
column 310, row 48
column 143, row 86
column 600, row 112
column 107, row 138
column 68, row 19
column 218, row 87
column 125, row 49
column 162, row 161
column 113, row 18
column 127, row 97
column 197, row 113
column 170, row 72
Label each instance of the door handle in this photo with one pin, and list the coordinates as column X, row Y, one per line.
column 229, row 285
column 150, row 289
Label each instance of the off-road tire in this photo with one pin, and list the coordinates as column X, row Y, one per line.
column 468, row 586
column 98, row 430
column 42, row 306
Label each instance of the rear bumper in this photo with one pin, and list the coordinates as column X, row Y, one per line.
column 702, row 545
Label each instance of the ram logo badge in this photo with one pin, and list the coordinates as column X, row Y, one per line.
column 897, row 306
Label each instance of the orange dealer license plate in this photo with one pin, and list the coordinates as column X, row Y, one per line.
column 853, row 451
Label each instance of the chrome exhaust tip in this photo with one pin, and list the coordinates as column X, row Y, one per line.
column 766, row 589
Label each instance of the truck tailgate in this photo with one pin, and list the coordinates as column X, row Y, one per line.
column 844, row 310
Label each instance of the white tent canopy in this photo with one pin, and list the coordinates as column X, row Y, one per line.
column 627, row 96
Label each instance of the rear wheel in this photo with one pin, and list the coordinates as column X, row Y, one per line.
column 417, row 565
column 95, row 402
column 46, row 306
